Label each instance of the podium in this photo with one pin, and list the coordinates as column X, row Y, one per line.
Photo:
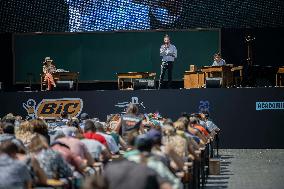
column 279, row 76
column 224, row 72
column 131, row 77
column 62, row 76
column 193, row 79
column 228, row 75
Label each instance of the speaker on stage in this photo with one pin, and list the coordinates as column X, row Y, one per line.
column 214, row 82
column 64, row 85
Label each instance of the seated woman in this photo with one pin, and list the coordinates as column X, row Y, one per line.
column 129, row 122
column 48, row 69
column 54, row 166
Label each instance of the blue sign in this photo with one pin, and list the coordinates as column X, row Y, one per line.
column 269, row 106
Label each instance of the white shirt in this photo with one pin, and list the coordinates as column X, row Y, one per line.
column 222, row 62
column 110, row 142
column 168, row 53
column 94, row 147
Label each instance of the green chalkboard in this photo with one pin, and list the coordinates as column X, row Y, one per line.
column 99, row 56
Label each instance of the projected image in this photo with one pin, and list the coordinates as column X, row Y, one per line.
column 107, row 15
column 113, row 15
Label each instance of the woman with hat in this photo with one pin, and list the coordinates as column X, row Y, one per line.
column 48, row 69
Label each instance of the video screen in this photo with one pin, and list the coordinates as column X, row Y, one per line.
column 113, row 15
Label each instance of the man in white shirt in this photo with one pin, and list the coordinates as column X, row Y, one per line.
column 113, row 147
column 168, row 52
column 218, row 61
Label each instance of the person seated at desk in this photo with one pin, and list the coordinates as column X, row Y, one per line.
column 48, row 69
column 218, row 61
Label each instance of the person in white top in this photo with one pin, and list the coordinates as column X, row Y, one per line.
column 218, row 61
column 168, row 52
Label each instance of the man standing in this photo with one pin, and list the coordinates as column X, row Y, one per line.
column 168, row 52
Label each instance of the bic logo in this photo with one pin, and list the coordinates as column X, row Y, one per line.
column 52, row 108
column 124, row 105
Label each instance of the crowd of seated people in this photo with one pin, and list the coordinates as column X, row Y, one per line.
column 126, row 151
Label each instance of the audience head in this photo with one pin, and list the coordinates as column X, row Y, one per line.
column 184, row 120
column 8, row 128
column 84, row 116
column 204, row 115
column 58, row 134
column 89, row 126
column 193, row 120
column 132, row 109
column 168, row 130
column 9, row 148
column 143, row 143
column 155, row 136
column 39, row 126
column 26, row 127
column 99, row 126
column 168, row 122
column 73, row 122
column 38, row 143
column 10, row 118
column 184, row 114
column 179, row 125
column 131, row 137
column 64, row 115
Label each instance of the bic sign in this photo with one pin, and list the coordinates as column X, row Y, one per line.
column 52, row 108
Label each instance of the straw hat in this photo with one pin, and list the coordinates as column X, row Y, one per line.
column 47, row 59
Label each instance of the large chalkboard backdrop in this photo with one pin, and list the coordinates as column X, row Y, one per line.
column 99, row 56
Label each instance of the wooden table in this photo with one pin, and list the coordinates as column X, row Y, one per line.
column 220, row 71
column 121, row 77
column 62, row 76
column 279, row 76
column 193, row 79
column 237, row 70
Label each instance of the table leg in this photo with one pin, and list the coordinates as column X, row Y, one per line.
column 118, row 84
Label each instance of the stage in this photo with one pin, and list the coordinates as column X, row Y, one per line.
column 243, row 114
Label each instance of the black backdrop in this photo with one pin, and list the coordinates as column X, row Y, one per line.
column 233, row 110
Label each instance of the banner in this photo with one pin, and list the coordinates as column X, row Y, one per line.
column 248, row 117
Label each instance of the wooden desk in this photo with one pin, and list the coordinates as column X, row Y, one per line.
column 279, row 76
column 62, row 76
column 121, row 77
column 193, row 79
column 220, row 71
column 237, row 75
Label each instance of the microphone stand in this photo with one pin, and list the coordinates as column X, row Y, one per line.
column 249, row 61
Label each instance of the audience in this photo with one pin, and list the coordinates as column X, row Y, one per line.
column 129, row 122
column 90, row 132
column 7, row 132
column 36, row 172
column 39, row 126
column 112, row 145
column 128, row 151
column 25, row 132
column 142, row 154
column 14, row 174
column 77, row 148
column 54, row 166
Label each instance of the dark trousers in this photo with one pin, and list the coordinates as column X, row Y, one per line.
column 166, row 66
